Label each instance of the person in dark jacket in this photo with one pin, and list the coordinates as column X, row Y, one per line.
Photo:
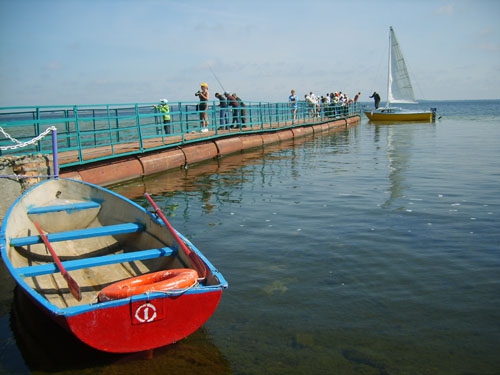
column 224, row 115
column 243, row 111
column 233, row 103
column 376, row 97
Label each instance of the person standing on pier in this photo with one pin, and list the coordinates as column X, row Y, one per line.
column 224, row 115
column 292, row 99
column 165, row 109
column 312, row 103
column 242, row 111
column 204, row 96
column 233, row 103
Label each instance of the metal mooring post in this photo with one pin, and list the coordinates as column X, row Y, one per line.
column 54, row 153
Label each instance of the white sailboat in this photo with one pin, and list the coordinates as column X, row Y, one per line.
column 399, row 90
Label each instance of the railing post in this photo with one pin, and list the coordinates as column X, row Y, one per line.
column 181, row 121
column 138, row 122
column 261, row 115
column 94, row 127
column 158, row 121
column 117, row 126
column 38, row 145
column 67, row 129
column 55, row 157
column 77, row 130
column 110, row 133
column 276, row 108
column 213, row 120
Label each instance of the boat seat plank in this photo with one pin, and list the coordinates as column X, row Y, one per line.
column 75, row 206
column 104, row 260
column 78, row 234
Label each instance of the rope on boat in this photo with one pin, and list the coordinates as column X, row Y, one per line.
column 176, row 292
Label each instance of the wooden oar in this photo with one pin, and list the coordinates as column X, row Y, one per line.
column 198, row 263
column 73, row 286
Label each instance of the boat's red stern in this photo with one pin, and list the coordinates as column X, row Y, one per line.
column 144, row 324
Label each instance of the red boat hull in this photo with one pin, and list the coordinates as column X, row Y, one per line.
column 142, row 325
column 102, row 239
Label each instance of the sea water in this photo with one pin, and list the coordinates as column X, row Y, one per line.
column 371, row 250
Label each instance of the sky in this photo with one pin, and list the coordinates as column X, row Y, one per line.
column 77, row 52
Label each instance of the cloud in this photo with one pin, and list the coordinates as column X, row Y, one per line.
column 485, row 32
column 74, row 46
column 445, row 10
column 490, row 47
column 54, row 66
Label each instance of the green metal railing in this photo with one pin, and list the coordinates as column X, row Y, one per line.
column 86, row 127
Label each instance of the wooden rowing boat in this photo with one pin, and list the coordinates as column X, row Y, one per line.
column 65, row 242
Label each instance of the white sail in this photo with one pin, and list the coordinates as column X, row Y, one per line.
column 399, row 88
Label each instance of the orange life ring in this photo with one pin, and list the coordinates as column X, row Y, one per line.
column 161, row 281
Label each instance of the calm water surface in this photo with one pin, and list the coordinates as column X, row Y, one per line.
column 373, row 250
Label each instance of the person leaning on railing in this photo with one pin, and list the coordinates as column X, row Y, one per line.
column 224, row 115
column 242, row 110
column 233, row 103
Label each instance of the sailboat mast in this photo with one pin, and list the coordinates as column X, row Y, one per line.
column 389, row 73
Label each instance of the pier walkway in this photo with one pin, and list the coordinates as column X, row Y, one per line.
column 108, row 144
column 90, row 133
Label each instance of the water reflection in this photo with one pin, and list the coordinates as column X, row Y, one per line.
column 188, row 180
column 224, row 176
column 399, row 148
column 214, row 183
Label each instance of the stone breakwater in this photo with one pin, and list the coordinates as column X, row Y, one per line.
column 12, row 185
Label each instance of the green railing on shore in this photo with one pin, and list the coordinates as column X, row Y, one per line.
column 85, row 127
